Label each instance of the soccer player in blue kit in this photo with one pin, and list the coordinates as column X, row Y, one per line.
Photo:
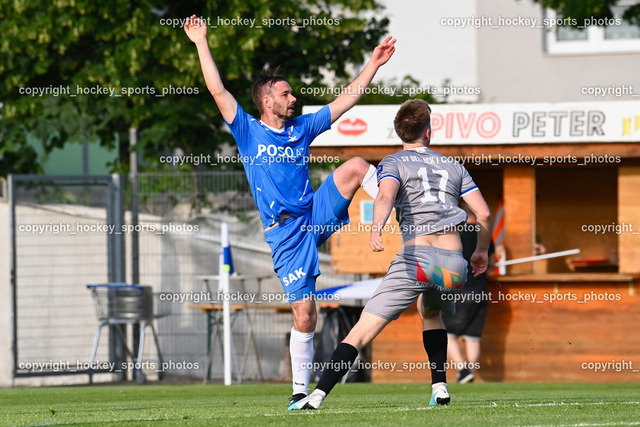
column 295, row 219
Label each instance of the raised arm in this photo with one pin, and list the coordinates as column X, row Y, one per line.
column 388, row 189
column 196, row 29
column 480, row 258
column 352, row 93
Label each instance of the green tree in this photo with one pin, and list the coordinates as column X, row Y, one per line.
column 127, row 57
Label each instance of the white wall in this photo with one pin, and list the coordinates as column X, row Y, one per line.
column 513, row 67
column 426, row 49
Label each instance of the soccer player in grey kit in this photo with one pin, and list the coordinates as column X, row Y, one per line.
column 425, row 187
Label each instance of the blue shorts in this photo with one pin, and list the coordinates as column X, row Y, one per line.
column 294, row 242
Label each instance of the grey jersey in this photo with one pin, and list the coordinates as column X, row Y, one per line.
column 430, row 187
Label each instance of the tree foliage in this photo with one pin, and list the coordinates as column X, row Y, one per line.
column 54, row 51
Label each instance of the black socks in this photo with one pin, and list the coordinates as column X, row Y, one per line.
column 341, row 360
column 435, row 343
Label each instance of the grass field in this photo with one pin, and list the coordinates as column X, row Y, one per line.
column 483, row 404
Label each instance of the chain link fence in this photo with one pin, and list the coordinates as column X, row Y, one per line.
column 68, row 234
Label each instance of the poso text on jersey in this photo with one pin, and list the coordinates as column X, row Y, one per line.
column 279, row 174
column 271, row 153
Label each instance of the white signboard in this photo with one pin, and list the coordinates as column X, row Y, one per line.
column 463, row 124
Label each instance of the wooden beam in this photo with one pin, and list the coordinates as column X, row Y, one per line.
column 596, row 154
column 519, row 191
column 629, row 219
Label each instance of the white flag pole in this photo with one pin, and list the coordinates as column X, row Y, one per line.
column 226, row 313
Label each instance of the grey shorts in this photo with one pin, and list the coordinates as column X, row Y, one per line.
column 433, row 272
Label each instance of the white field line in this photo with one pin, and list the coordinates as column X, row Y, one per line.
column 361, row 411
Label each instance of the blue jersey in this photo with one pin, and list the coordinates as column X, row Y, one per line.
column 277, row 163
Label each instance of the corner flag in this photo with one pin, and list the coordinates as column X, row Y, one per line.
column 226, row 250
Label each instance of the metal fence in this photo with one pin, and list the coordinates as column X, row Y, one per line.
column 200, row 192
column 172, row 242
column 60, row 242
column 193, row 206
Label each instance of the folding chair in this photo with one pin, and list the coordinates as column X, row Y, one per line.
column 120, row 304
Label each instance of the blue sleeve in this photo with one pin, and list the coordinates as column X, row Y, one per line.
column 240, row 128
column 317, row 122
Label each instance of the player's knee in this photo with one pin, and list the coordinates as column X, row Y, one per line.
column 306, row 325
column 349, row 176
column 305, row 321
column 358, row 167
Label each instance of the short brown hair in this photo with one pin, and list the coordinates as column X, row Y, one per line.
column 412, row 119
column 263, row 86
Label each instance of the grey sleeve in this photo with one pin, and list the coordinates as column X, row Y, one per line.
column 467, row 183
column 388, row 168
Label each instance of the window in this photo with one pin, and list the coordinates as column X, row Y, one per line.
column 590, row 38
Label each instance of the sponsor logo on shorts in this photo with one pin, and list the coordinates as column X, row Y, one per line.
column 292, row 277
column 440, row 276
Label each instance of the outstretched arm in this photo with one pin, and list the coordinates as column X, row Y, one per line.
column 381, row 211
column 196, row 29
column 352, row 93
